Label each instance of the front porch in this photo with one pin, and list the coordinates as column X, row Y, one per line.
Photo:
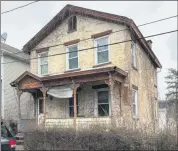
column 76, row 99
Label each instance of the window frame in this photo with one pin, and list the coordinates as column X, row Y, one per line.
column 96, row 49
column 133, row 57
column 67, row 57
column 135, row 115
column 39, row 63
column 101, row 90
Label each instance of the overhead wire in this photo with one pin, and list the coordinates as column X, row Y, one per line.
column 115, row 31
column 19, row 7
column 159, row 34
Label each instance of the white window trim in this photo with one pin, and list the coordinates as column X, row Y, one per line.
column 67, row 57
column 133, row 61
column 96, row 103
column 96, row 54
column 39, row 64
column 136, row 104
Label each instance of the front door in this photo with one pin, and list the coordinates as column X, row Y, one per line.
column 40, row 111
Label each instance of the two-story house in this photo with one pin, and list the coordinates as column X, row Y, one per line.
column 13, row 63
column 89, row 67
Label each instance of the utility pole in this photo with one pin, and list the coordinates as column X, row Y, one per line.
column 176, row 83
column 0, row 94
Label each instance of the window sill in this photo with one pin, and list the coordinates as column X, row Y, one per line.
column 103, row 64
column 47, row 74
column 72, row 70
column 134, row 67
column 71, row 31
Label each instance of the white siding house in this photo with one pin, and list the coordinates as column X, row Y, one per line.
column 14, row 63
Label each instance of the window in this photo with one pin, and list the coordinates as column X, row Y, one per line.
column 134, row 103
column 102, row 53
column 71, row 106
column 133, row 53
column 43, row 63
column 103, row 103
column 72, row 60
column 72, row 23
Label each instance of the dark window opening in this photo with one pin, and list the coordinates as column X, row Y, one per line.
column 71, row 106
column 40, row 106
column 72, row 23
column 103, row 103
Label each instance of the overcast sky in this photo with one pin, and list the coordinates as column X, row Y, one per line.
column 21, row 25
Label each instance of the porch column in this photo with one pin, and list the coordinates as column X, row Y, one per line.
column 19, row 93
column 111, row 84
column 74, row 87
column 44, row 90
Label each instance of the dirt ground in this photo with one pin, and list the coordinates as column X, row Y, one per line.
column 19, row 147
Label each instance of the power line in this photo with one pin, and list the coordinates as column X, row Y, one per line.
column 19, row 7
column 115, row 31
column 98, row 46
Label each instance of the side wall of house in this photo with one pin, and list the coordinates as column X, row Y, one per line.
column 144, row 78
column 11, row 72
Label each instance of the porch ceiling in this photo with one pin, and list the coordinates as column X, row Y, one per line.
column 31, row 81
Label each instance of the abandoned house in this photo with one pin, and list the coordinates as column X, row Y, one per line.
column 86, row 74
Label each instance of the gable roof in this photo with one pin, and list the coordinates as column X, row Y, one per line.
column 26, row 73
column 14, row 52
column 70, row 9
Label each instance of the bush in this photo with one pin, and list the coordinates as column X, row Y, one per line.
column 97, row 139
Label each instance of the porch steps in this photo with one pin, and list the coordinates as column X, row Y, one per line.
column 19, row 138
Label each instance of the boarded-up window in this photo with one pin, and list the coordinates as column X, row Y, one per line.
column 72, row 23
column 40, row 106
column 134, row 103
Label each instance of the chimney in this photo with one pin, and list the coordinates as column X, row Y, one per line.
column 150, row 43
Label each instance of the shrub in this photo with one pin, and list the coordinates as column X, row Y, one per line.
column 97, row 139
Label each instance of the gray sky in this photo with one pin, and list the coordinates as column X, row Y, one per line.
column 21, row 25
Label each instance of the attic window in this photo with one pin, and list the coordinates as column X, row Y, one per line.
column 72, row 24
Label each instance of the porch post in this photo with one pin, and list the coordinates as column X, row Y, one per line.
column 44, row 90
column 74, row 87
column 75, row 105
column 111, row 84
column 19, row 93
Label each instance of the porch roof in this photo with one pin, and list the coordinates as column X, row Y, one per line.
column 29, row 80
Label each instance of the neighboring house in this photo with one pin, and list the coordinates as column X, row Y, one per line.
column 167, row 114
column 111, row 85
column 14, row 63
